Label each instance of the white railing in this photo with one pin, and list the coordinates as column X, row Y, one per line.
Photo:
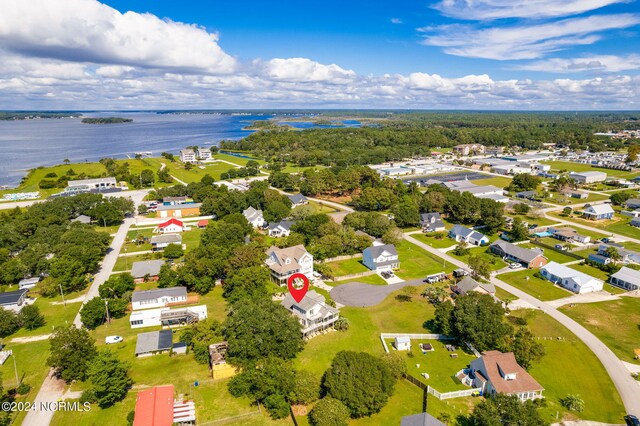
column 411, row 336
column 454, row 394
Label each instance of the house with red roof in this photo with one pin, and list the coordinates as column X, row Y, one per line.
column 157, row 407
column 203, row 223
column 171, row 226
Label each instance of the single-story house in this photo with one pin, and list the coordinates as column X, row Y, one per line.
column 157, row 407
column 597, row 212
column 254, row 217
column 171, row 226
column 160, row 242
column 297, row 200
column 13, row 300
column 581, row 195
column 179, row 210
column 421, row 419
column 569, row 235
column 284, row 262
column 633, row 203
column 626, row 278
column 572, row 280
column 431, row 222
column 158, row 298
column 468, row 235
column 83, row 218
column 313, row 313
column 381, row 257
column 203, row 223
column 280, row 229
column 635, row 222
column 402, row 343
column 149, row 269
column 527, row 195
column 167, row 317
column 154, row 342
column 468, row 284
column 628, row 256
column 496, row 372
column 600, row 259
column 28, row 283
column 588, row 177
column 526, row 257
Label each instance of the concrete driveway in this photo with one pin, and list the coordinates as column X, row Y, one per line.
column 361, row 295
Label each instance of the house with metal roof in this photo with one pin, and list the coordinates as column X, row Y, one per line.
column 171, row 226
column 531, row 258
column 179, row 210
column 298, row 200
column 381, row 257
column 28, row 282
column 280, row 229
column 633, row 203
column 597, row 212
column 626, row 278
column 572, row 280
column 167, row 317
column 14, row 300
column 588, row 177
column 468, row 284
column 254, row 217
column 146, row 270
column 497, row 372
column 462, row 233
column 284, row 262
column 158, row 298
column 313, row 313
column 160, row 242
column 431, row 222
column 154, row 342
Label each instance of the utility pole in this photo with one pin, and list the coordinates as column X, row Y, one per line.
column 62, row 294
column 15, row 369
column 106, row 306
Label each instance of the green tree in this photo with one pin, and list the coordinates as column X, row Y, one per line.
column 116, row 286
column 9, row 322
column 147, row 178
column 491, row 214
column 247, row 283
column 479, row 320
column 613, row 254
column 93, row 313
column 361, row 381
column 30, row 317
column 167, row 277
column 502, row 409
column 524, row 182
column 573, row 403
column 199, row 336
column 521, row 208
column 71, row 352
column 406, row 213
column 109, row 378
column 276, row 211
column 173, row 251
column 526, row 348
column 442, row 318
column 260, row 320
column 329, row 412
column 306, row 388
column 518, row 231
column 396, row 363
column 480, row 267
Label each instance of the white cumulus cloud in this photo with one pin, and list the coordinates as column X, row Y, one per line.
column 305, row 70
column 591, row 63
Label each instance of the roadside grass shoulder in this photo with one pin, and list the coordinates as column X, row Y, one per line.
column 434, row 242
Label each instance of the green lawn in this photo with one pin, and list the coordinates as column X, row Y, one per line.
column 322, row 208
column 495, row 261
column 238, row 160
column 618, row 225
column 591, row 270
column 579, row 167
column 130, row 246
column 347, row 267
column 540, row 221
column 434, row 242
column 586, row 377
column 614, row 322
column 538, row 288
column 418, row 263
column 54, row 315
column 124, row 263
column 556, row 198
column 498, row 181
column 504, row 294
column 552, row 255
column 374, row 279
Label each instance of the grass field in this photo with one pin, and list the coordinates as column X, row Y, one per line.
column 618, row 225
column 498, row 181
column 504, row 295
column 418, row 263
column 374, row 279
column 590, row 270
column 614, row 322
column 124, row 263
column 586, row 378
column 434, row 242
column 55, row 315
column 552, row 255
column 347, row 267
column 539, row 288
column 540, row 221
column 579, row 167
column 495, row 261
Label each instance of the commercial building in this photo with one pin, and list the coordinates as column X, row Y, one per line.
column 588, row 177
column 91, row 184
column 179, row 210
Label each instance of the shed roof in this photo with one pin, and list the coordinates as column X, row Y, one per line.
column 144, row 267
column 154, row 341
column 154, row 407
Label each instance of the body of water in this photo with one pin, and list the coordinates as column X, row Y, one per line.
column 26, row 144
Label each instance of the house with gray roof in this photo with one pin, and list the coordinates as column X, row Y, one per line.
column 571, row 279
column 149, row 269
column 635, row 222
column 298, row 200
column 531, row 258
column 468, row 284
column 160, row 242
column 254, row 217
column 626, row 278
column 633, row 203
column 280, row 229
column 313, row 313
column 627, row 256
column 431, row 222
column 83, row 218
column 28, row 282
column 421, row 419
column 158, row 298
column 463, row 234
column 597, row 212
column 381, row 257
column 154, row 342
column 13, row 300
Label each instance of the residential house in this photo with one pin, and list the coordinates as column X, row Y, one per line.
column 179, row 210
column 83, row 218
column 28, row 283
column 421, row 419
column 156, row 407
column 635, row 222
column 572, row 280
column 568, row 235
column 146, row 270
column 167, row 317
column 280, row 229
column 581, row 195
column 188, row 155
column 14, row 300
column 254, row 217
column 597, row 212
column 626, row 255
column 633, row 203
column 463, row 234
column 599, row 259
column 468, row 284
column 626, row 278
column 526, row 257
column 381, row 257
column 154, row 343
column 284, row 262
column 527, row 195
column 541, row 168
column 496, row 372
column 160, row 242
column 204, row 154
column 158, row 298
column 171, row 226
column 298, row 200
column 402, row 343
column 588, row 177
column 313, row 313
column 431, row 222
column 469, row 148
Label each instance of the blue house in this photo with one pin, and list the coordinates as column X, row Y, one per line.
column 597, row 212
column 600, row 259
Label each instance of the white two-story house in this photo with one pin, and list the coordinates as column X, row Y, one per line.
column 381, row 257
column 158, row 298
column 284, row 262
column 313, row 313
column 254, row 217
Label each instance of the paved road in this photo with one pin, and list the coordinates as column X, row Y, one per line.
column 361, row 294
column 627, row 386
column 53, row 389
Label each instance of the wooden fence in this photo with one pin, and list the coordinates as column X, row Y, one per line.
column 568, row 252
column 352, row 276
column 345, row 257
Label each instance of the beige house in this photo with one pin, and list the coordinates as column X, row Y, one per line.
column 284, row 262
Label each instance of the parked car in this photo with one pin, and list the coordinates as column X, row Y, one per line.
column 109, row 340
column 560, row 247
column 515, row 266
column 631, row 420
column 460, row 273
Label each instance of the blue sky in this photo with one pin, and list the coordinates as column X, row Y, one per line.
column 477, row 54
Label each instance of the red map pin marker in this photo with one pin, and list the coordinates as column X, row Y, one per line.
column 298, row 285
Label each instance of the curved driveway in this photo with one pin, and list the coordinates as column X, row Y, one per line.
column 361, row 295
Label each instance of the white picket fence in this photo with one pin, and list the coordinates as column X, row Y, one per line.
column 418, row 336
column 454, row 394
